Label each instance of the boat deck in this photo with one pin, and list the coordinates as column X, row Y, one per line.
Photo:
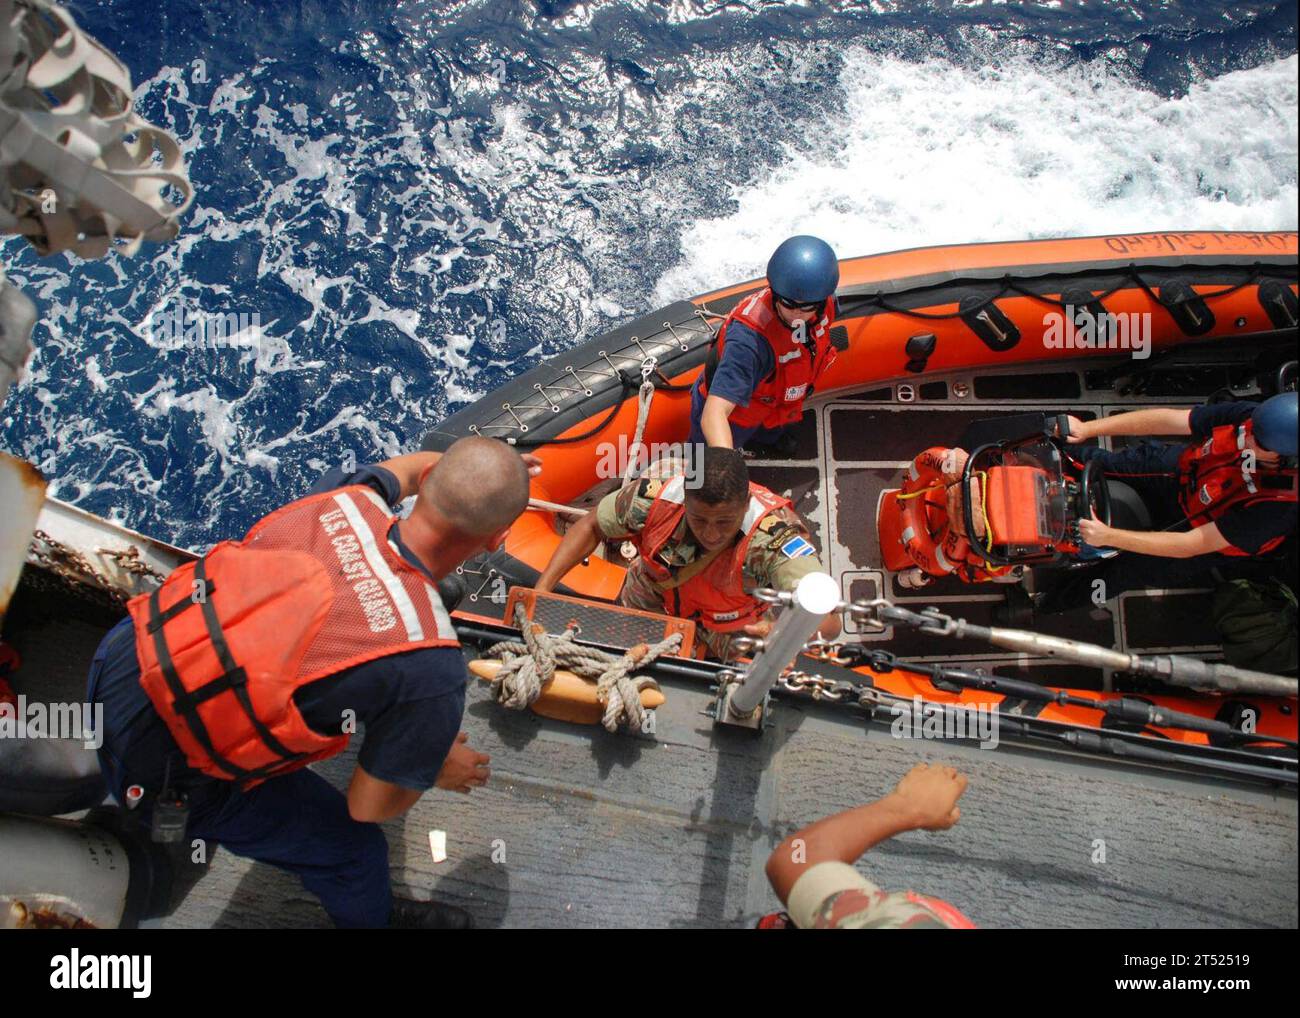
column 581, row 828
column 852, row 450
column 590, row 829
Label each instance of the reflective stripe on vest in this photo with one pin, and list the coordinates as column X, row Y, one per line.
column 375, row 559
column 313, row 589
column 1214, row 478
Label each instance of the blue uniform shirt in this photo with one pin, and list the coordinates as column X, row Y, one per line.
column 746, row 360
column 410, row 704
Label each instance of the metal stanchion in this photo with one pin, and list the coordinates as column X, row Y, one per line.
column 743, row 702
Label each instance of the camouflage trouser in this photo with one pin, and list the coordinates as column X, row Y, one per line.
column 640, row 592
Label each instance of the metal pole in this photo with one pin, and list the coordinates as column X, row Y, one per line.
column 815, row 597
column 1174, row 669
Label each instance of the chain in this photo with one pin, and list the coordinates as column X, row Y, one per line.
column 819, row 686
column 58, row 558
column 831, row 652
column 53, row 555
column 131, row 562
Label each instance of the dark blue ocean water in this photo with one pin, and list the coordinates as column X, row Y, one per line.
column 411, row 201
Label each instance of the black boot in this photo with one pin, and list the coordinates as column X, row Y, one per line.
column 428, row 915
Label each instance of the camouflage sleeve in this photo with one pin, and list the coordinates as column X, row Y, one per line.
column 781, row 553
column 623, row 513
column 831, row 894
column 834, row 895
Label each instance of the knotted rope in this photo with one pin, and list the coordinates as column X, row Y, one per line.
column 528, row 666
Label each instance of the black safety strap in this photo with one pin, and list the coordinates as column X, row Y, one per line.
column 160, row 619
column 234, row 679
column 168, row 668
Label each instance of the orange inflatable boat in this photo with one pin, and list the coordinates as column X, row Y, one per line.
column 932, row 342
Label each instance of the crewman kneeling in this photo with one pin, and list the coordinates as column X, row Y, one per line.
column 261, row 657
column 707, row 541
column 1220, row 503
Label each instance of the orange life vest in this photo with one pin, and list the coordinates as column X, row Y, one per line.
column 778, row 399
column 947, row 914
column 1213, row 478
column 715, row 597
column 312, row 589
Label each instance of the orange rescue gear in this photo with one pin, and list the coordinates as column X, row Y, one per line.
column 715, row 597
column 1213, row 478
column 924, row 531
column 312, row 589
column 778, row 399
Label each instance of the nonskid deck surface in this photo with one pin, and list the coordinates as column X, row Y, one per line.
column 581, row 828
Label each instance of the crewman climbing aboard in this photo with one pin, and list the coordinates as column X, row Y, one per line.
column 706, row 542
column 263, row 655
column 1222, row 503
column 770, row 352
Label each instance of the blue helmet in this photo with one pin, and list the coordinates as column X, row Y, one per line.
column 803, row 270
column 1275, row 422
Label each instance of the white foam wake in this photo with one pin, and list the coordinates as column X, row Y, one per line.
column 937, row 153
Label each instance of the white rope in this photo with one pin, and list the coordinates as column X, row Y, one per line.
column 645, row 396
column 556, row 507
column 528, row 666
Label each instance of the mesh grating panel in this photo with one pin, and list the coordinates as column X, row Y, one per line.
column 606, row 624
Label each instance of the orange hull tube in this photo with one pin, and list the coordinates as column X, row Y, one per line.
column 873, row 355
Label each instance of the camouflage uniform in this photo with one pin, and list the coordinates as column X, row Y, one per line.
column 835, row 896
column 623, row 513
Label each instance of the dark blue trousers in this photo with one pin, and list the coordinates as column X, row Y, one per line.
column 298, row 822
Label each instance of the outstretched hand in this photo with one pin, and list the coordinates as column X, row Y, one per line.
column 930, row 793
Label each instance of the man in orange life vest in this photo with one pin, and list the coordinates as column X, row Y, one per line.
column 262, row 656
column 1221, row 504
column 707, row 539
column 770, row 352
